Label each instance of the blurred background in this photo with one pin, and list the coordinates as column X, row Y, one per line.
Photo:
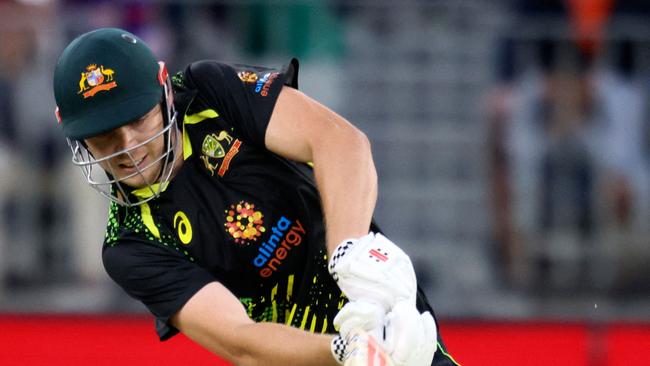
column 512, row 141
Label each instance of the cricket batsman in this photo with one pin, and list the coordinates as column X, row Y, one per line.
column 241, row 210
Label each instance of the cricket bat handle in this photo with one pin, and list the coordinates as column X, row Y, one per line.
column 366, row 351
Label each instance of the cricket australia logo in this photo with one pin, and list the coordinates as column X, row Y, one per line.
column 215, row 154
column 95, row 79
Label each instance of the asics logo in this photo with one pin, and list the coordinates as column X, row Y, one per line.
column 183, row 227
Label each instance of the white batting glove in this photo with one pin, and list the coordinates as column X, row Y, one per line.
column 360, row 315
column 411, row 338
column 374, row 269
column 408, row 337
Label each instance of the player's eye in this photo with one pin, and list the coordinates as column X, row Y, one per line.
column 139, row 121
column 103, row 136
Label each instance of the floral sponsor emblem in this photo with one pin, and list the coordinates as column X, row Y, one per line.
column 247, row 76
column 244, row 223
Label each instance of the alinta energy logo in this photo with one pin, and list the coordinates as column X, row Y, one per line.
column 286, row 236
column 263, row 85
column 243, row 223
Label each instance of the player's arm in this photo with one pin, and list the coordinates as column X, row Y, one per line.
column 304, row 130
column 216, row 320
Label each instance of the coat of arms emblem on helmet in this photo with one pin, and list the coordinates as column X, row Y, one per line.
column 95, row 79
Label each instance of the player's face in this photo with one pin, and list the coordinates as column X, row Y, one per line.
column 139, row 164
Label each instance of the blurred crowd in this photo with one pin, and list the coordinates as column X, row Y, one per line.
column 569, row 143
column 566, row 129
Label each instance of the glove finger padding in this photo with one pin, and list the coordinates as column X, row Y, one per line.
column 360, row 315
column 374, row 269
column 411, row 337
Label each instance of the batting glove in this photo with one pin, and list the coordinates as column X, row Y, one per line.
column 408, row 337
column 361, row 315
column 374, row 269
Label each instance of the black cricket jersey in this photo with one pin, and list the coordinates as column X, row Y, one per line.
column 234, row 213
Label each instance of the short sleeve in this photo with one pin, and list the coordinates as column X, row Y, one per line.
column 161, row 279
column 244, row 95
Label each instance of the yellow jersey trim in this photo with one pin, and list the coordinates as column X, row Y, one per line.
column 192, row 120
column 147, row 218
column 148, row 191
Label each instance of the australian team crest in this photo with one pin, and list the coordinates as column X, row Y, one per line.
column 214, row 153
column 95, row 79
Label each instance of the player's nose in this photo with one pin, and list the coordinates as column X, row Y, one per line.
column 124, row 137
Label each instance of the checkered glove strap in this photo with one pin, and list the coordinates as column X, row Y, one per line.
column 373, row 269
column 338, row 347
column 359, row 349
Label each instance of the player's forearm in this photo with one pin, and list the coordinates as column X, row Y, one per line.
column 215, row 319
column 347, row 182
column 271, row 344
column 267, row 344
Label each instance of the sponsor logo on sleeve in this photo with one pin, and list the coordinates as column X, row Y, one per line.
column 263, row 85
column 247, row 76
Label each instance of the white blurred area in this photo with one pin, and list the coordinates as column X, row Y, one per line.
column 514, row 172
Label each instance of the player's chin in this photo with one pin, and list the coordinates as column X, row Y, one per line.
column 135, row 183
column 141, row 179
